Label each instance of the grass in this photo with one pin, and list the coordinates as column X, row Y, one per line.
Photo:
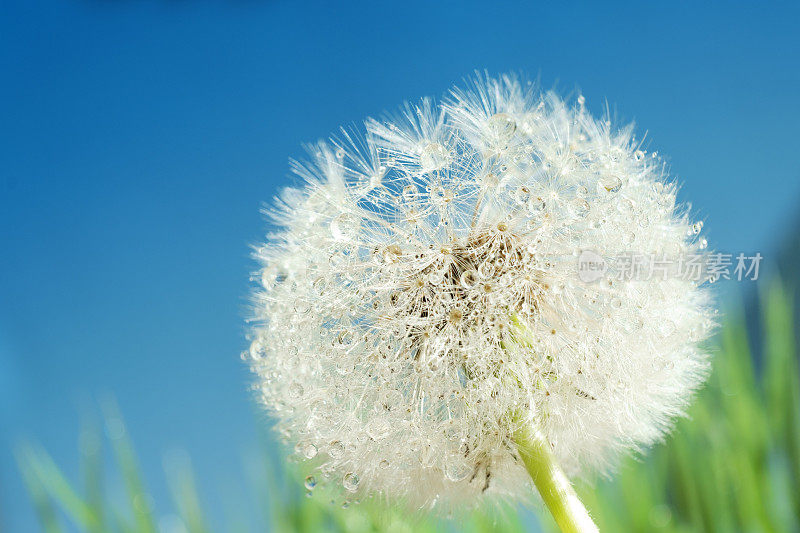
column 732, row 465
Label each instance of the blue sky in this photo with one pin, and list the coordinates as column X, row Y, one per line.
column 139, row 140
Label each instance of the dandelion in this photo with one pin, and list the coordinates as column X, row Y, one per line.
column 422, row 328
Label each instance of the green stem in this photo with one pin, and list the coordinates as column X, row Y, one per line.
column 556, row 490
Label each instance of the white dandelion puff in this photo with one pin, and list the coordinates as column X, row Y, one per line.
column 421, row 299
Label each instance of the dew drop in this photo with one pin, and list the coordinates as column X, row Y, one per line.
column 350, row 482
column 486, row 269
column 536, row 205
column 638, row 155
column 442, row 196
column 502, row 126
column 436, row 277
column 666, row 328
column 697, row 227
column 523, row 195
column 336, row 449
column 295, row 390
column 378, row 429
column 345, row 339
column 434, row 156
column 457, row 471
column 469, row 278
column 608, row 184
column 629, row 237
column 310, row 482
column 301, row 306
column 409, row 193
column 309, row 450
column 580, row 208
column 343, row 226
column 257, row 350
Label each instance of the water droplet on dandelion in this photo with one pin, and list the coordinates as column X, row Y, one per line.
column 580, row 208
column 310, row 482
column 502, row 126
column 610, row 184
column 434, row 156
column 309, row 450
column 523, row 195
column 666, row 328
column 343, row 226
column 436, row 277
column 486, row 269
column 336, row 449
column 257, row 350
column 350, row 482
column 295, row 390
column 301, row 306
column 469, row 278
column 457, row 471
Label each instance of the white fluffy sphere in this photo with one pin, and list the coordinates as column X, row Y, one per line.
column 422, row 284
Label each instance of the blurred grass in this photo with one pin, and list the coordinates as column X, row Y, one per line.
column 733, row 465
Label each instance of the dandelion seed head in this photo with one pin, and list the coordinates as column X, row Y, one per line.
column 422, row 283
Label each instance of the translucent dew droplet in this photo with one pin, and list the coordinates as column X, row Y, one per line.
column 409, row 192
column 629, row 237
column 609, row 184
column 310, row 482
column 336, row 449
column 469, row 278
column 536, row 205
column 295, row 390
column 436, row 277
column 378, row 429
column 345, row 339
column 344, row 226
column 309, row 450
column 257, row 350
column 456, row 470
column 434, row 156
column 302, row 306
column 350, row 482
column 666, row 328
column 486, row 269
column 580, row 208
column 502, row 126
column 523, row 195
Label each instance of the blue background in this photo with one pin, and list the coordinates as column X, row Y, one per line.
column 139, row 140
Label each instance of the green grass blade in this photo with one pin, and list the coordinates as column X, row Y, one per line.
column 128, row 465
column 43, row 505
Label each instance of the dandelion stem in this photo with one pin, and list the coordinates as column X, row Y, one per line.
column 551, row 482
